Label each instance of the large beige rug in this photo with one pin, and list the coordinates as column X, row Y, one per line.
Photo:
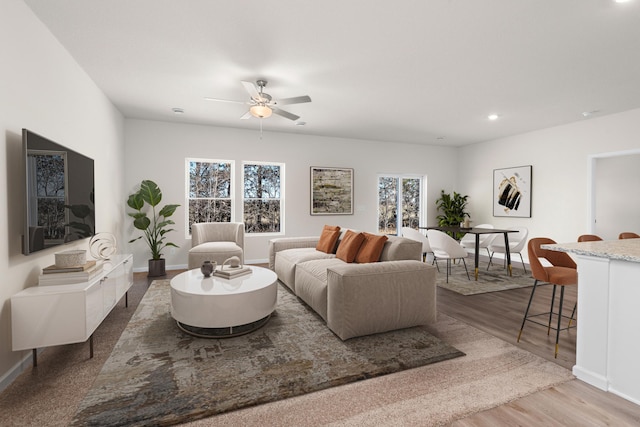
column 495, row 279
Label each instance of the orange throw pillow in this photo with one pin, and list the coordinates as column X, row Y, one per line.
column 371, row 248
column 328, row 239
column 349, row 246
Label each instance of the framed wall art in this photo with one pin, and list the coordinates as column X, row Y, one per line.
column 331, row 191
column 512, row 192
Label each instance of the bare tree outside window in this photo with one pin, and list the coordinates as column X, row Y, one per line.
column 410, row 202
column 387, row 205
column 210, row 191
column 262, row 198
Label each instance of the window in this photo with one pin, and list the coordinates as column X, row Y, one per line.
column 262, row 202
column 210, row 191
column 399, row 194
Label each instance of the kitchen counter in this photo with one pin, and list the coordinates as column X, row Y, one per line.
column 607, row 346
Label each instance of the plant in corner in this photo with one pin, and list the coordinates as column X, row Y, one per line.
column 452, row 208
column 154, row 226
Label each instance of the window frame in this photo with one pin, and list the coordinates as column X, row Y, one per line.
column 187, row 181
column 423, row 198
column 282, row 196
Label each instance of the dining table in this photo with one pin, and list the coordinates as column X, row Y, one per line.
column 478, row 231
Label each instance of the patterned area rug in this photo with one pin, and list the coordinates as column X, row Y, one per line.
column 494, row 280
column 158, row 375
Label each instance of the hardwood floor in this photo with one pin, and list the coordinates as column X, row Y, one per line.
column 574, row 403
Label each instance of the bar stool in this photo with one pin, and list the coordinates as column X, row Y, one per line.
column 562, row 272
column 589, row 238
column 628, row 235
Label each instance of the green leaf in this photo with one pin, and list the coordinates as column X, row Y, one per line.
column 150, row 192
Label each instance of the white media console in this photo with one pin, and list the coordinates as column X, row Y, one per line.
column 43, row 316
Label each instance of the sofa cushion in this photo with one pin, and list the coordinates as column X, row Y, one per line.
column 328, row 239
column 286, row 261
column 371, row 248
column 349, row 246
column 311, row 283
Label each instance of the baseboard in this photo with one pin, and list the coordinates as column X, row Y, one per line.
column 25, row 363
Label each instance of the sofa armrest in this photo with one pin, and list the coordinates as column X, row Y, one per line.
column 283, row 243
column 364, row 299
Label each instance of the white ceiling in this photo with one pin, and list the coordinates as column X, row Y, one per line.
column 427, row 72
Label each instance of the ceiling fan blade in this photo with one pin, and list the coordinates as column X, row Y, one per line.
column 246, row 116
column 285, row 114
column 251, row 88
column 294, row 100
column 224, row 100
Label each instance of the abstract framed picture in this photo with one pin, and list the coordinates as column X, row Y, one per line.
column 512, row 192
column 331, row 191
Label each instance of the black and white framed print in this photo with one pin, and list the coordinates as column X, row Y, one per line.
column 512, row 192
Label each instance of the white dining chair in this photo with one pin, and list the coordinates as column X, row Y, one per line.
column 446, row 247
column 468, row 241
column 416, row 235
column 517, row 242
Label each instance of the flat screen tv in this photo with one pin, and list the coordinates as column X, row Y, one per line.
column 60, row 199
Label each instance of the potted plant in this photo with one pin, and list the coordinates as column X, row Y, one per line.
column 154, row 224
column 452, row 208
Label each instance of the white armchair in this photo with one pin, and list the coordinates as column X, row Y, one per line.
column 445, row 247
column 216, row 241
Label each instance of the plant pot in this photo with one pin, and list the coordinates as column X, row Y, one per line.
column 156, row 268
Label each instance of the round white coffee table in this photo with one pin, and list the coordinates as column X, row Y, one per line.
column 213, row 307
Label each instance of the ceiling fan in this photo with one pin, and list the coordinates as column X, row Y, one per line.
column 262, row 105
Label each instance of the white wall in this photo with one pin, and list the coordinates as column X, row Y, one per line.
column 560, row 181
column 617, row 208
column 44, row 90
column 157, row 151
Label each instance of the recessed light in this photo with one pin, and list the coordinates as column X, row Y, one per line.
column 300, row 123
column 493, row 116
column 622, row 1
column 177, row 110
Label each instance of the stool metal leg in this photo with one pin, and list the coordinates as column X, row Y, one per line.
column 559, row 319
column 527, row 310
column 553, row 298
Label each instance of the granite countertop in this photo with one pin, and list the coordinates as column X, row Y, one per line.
column 625, row 249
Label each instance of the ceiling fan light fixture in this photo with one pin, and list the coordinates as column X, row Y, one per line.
column 260, row 111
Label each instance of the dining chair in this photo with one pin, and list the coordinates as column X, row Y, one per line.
column 446, row 247
column 628, row 235
column 589, row 238
column 468, row 241
column 561, row 272
column 517, row 241
column 416, row 235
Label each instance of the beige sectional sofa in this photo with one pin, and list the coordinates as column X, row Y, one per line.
column 355, row 299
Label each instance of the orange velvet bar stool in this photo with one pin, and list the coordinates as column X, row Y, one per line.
column 589, row 238
column 562, row 272
column 628, row 235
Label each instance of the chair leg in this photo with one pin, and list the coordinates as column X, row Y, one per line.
column 522, row 261
column 535, row 284
column 490, row 258
column 573, row 313
column 559, row 319
column 435, row 261
column 448, row 267
column 465, row 268
column 553, row 298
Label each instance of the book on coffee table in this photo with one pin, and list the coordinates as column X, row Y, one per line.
column 232, row 272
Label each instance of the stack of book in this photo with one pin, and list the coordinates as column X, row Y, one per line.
column 53, row 275
column 231, row 272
